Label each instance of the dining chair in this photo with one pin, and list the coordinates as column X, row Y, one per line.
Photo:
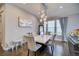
column 23, row 44
column 32, row 46
column 16, row 45
column 11, row 45
column 51, row 42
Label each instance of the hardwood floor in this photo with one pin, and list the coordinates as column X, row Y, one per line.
column 60, row 49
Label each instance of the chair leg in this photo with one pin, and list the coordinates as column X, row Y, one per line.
column 16, row 47
column 52, row 50
column 28, row 52
column 12, row 49
column 35, row 54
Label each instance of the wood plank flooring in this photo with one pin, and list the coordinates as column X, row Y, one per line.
column 60, row 49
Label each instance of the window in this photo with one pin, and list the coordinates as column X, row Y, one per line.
column 41, row 30
column 58, row 26
column 52, row 26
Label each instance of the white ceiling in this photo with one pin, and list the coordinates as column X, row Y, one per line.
column 53, row 9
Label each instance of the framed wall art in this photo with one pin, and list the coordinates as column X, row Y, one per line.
column 24, row 22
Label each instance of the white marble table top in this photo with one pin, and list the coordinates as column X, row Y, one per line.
column 42, row 39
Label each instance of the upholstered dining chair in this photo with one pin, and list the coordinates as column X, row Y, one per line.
column 51, row 42
column 11, row 45
column 32, row 46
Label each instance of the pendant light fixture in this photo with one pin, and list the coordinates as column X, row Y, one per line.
column 43, row 14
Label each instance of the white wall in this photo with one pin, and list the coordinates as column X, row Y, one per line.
column 73, row 23
column 12, row 31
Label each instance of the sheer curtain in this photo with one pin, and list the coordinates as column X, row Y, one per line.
column 63, row 23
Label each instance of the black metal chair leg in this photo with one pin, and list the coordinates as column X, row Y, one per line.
column 35, row 53
column 52, row 50
column 28, row 52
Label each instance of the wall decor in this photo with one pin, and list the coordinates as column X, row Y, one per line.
column 24, row 22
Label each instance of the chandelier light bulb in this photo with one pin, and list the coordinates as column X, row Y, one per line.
column 40, row 20
column 44, row 19
column 42, row 15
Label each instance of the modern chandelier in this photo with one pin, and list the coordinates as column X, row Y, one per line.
column 43, row 14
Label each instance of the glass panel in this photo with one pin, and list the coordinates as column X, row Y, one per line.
column 45, row 27
column 51, row 29
column 51, row 23
column 59, row 32
column 41, row 30
column 51, row 26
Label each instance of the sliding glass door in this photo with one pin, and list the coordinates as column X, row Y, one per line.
column 53, row 26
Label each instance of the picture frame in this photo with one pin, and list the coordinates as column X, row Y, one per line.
column 24, row 23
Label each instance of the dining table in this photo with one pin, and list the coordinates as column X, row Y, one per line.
column 42, row 39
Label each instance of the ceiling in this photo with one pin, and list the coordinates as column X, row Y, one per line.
column 53, row 9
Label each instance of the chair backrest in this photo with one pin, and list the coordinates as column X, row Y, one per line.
column 30, row 42
column 54, row 36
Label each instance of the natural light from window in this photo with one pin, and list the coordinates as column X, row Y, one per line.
column 51, row 27
column 59, row 32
